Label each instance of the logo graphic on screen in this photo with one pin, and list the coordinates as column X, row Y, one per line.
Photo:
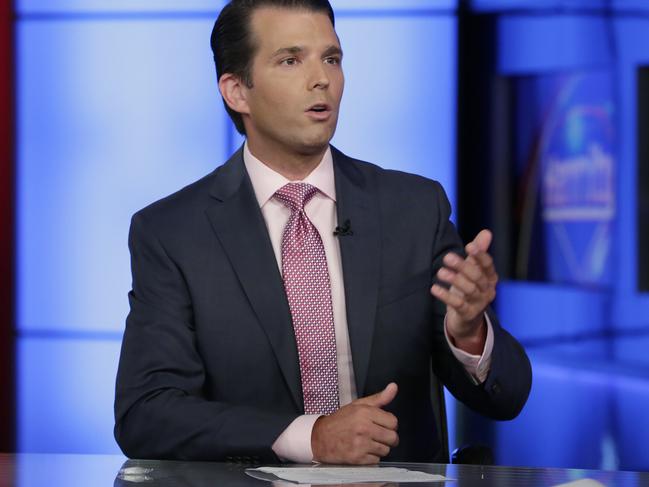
column 569, row 193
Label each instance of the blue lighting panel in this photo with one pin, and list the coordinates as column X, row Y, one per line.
column 65, row 395
column 567, row 419
column 112, row 115
column 631, row 400
column 495, row 5
column 632, row 350
column 398, row 109
column 532, row 311
column 74, row 6
column 531, row 44
column 154, row 6
column 451, row 422
column 588, row 413
column 429, row 5
column 638, row 5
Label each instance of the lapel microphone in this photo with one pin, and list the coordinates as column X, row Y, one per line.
column 344, row 230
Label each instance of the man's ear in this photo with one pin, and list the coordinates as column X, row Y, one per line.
column 234, row 92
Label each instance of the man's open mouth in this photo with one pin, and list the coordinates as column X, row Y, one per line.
column 319, row 108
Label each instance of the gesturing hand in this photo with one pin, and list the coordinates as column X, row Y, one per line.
column 472, row 288
column 358, row 433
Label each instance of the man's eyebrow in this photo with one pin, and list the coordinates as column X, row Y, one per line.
column 332, row 50
column 288, row 50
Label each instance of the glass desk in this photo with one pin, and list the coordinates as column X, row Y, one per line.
column 43, row 470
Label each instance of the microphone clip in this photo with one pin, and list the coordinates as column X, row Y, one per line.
column 344, row 230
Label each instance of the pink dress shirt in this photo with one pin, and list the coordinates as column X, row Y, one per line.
column 294, row 444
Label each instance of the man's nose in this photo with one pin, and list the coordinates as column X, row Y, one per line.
column 318, row 77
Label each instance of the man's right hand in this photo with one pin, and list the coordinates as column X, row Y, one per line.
column 359, row 433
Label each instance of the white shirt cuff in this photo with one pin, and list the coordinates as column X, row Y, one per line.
column 294, row 444
column 476, row 365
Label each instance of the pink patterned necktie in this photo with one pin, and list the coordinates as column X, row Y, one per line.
column 306, row 280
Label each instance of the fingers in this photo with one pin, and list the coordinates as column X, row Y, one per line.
column 357, row 433
column 465, row 277
column 368, row 460
column 483, row 260
column 466, row 286
column 482, row 241
column 384, row 419
column 378, row 449
column 379, row 400
column 478, row 249
column 454, row 300
column 378, row 441
column 469, row 266
column 384, row 436
column 383, row 398
column 475, row 270
column 472, row 280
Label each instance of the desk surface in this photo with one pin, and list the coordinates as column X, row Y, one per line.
column 38, row 470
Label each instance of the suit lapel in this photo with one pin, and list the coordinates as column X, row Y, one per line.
column 356, row 201
column 239, row 226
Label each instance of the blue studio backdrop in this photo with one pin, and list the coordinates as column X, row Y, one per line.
column 118, row 106
column 572, row 71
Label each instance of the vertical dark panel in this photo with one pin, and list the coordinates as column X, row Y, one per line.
column 7, row 404
column 643, row 178
column 476, row 184
column 483, row 185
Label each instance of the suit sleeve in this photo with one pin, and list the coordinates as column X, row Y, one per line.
column 504, row 392
column 161, row 411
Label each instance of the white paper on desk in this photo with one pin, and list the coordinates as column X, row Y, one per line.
column 346, row 475
column 582, row 483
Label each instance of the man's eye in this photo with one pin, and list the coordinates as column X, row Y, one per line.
column 291, row 61
column 332, row 60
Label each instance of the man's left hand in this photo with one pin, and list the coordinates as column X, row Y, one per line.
column 472, row 283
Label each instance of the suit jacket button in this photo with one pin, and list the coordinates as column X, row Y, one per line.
column 495, row 387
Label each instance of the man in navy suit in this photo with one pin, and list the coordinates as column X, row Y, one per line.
column 213, row 363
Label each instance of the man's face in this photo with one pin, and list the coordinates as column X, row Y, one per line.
column 297, row 81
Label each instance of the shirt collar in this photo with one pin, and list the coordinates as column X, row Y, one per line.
column 266, row 181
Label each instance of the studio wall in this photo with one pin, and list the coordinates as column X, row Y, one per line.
column 563, row 78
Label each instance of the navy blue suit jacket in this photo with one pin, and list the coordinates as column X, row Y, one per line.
column 209, row 366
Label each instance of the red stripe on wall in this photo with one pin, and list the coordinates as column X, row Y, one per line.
column 7, row 379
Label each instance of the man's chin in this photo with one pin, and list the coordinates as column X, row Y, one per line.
column 316, row 143
column 312, row 149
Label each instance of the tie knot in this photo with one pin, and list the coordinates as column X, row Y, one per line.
column 296, row 195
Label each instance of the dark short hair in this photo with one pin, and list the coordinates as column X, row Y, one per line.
column 232, row 42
